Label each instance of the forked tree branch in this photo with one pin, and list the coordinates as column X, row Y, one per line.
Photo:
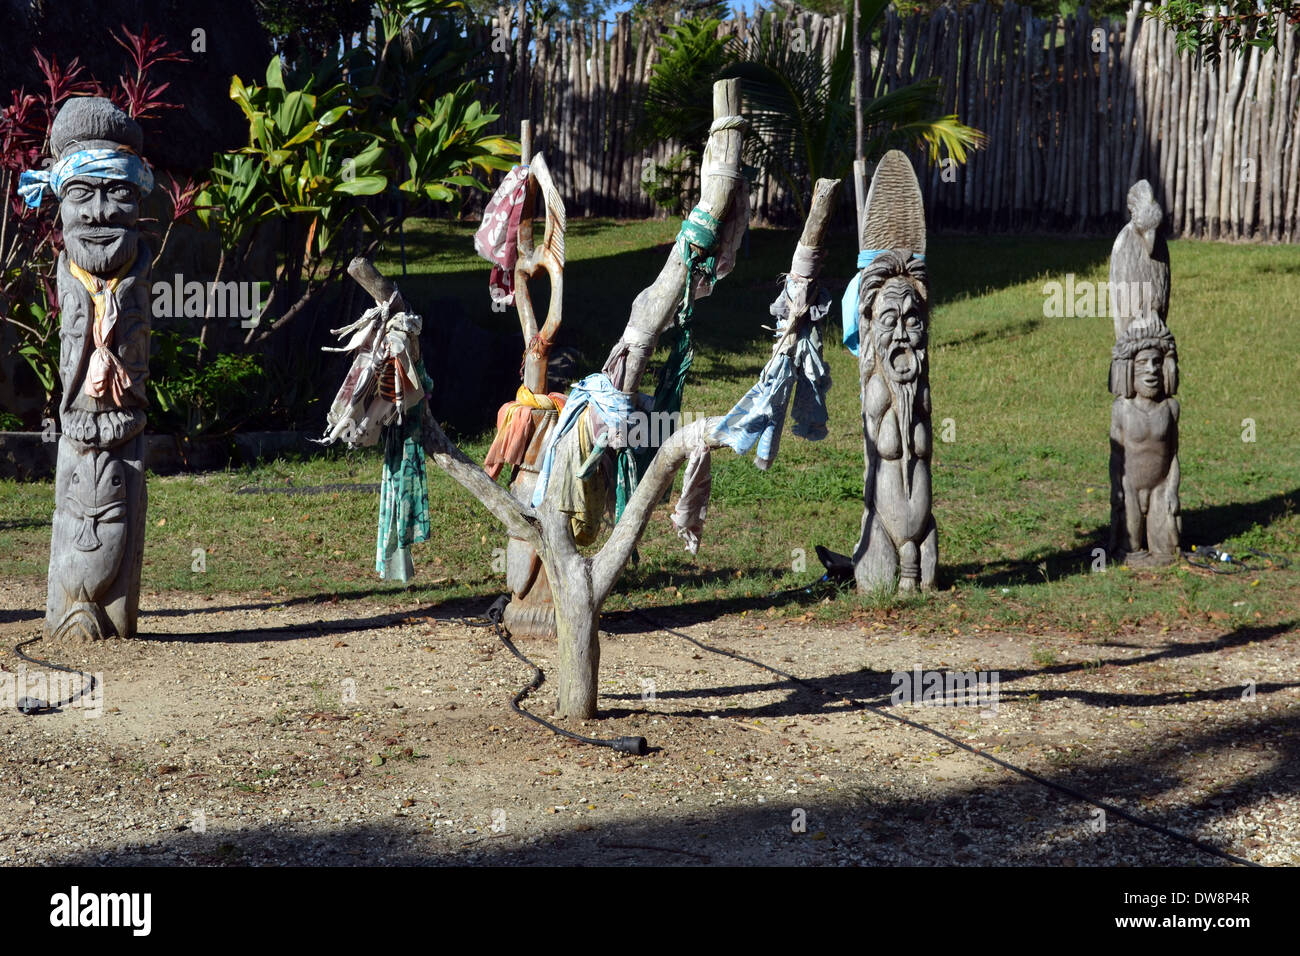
column 609, row 562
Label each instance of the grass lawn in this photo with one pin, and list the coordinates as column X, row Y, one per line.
column 1021, row 492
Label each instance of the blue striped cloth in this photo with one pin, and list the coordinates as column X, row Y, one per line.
column 119, row 163
column 613, row 406
column 759, row 416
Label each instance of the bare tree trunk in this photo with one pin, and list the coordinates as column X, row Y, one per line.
column 859, row 91
column 656, row 306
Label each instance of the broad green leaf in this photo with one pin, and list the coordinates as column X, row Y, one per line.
column 362, row 186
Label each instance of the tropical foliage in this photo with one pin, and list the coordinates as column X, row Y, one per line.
column 1203, row 27
column 800, row 110
column 337, row 158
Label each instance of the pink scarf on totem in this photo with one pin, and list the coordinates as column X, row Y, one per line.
column 497, row 238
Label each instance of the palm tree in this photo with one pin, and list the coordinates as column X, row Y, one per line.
column 800, row 112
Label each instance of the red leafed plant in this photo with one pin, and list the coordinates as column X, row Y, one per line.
column 137, row 94
column 29, row 242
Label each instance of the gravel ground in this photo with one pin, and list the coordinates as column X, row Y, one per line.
column 237, row 731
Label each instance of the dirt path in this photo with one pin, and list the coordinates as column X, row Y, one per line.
column 237, row 732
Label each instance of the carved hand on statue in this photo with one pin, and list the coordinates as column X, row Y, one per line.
column 79, row 425
column 119, row 424
column 102, row 429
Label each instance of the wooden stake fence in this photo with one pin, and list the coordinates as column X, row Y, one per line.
column 1075, row 111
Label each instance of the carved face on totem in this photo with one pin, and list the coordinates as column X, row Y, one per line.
column 95, row 509
column 99, row 218
column 99, row 178
column 892, row 299
column 1145, row 360
column 1148, row 374
column 898, row 329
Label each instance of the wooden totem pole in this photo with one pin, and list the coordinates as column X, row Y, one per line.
column 888, row 326
column 531, row 612
column 97, row 546
column 1146, row 516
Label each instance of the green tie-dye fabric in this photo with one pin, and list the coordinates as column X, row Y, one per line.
column 403, row 492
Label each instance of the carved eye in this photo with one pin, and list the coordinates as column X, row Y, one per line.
column 117, row 481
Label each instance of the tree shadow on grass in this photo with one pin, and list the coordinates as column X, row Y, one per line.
column 23, row 524
column 1209, row 525
column 1009, row 331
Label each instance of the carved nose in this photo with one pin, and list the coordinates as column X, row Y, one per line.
column 93, row 209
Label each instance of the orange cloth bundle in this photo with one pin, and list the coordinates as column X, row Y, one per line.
column 515, row 428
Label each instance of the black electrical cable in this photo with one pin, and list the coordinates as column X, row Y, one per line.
column 32, row 705
column 1028, row 774
column 626, row 745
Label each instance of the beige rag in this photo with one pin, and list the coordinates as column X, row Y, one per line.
column 107, row 376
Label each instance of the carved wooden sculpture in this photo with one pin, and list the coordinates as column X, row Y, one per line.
column 530, row 612
column 899, row 541
column 97, row 546
column 1139, row 263
column 1146, row 518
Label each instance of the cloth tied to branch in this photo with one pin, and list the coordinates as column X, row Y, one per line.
column 612, row 406
column 849, row 304
column 693, row 503
column 581, row 479
column 515, row 428
column 383, row 383
column 759, row 416
column 380, row 398
column 403, row 493
column 701, row 249
column 106, row 376
column 117, row 163
column 497, row 239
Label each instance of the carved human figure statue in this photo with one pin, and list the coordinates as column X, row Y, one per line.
column 899, row 540
column 97, row 546
column 887, row 322
column 1144, row 472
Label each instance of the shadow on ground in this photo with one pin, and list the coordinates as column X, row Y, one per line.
column 1014, row 821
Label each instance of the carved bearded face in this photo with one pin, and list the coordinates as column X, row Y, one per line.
column 898, row 330
column 99, row 217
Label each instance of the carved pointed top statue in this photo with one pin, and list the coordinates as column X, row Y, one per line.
column 1139, row 263
column 1146, row 518
column 97, row 546
column 887, row 312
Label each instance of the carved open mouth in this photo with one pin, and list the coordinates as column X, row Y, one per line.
column 98, row 237
column 902, row 363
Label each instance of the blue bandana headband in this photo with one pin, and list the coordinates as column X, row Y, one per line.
column 117, row 163
column 849, row 304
